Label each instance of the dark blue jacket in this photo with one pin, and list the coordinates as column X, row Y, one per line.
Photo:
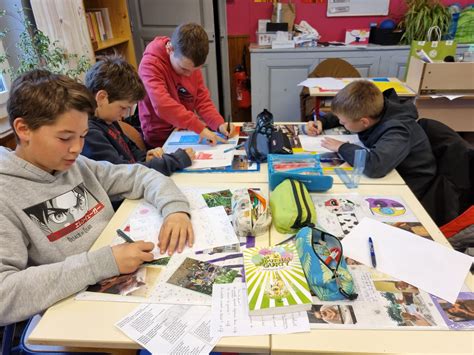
column 396, row 141
column 108, row 142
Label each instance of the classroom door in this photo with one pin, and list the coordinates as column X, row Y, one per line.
column 151, row 18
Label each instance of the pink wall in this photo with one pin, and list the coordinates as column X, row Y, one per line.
column 243, row 16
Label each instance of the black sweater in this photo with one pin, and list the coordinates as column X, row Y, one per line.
column 395, row 141
column 108, row 142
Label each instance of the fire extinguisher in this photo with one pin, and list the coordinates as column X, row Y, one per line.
column 242, row 84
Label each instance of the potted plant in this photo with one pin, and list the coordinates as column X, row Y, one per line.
column 420, row 16
column 37, row 51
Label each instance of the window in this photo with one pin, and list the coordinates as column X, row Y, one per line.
column 4, row 85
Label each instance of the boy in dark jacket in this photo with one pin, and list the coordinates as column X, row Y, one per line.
column 386, row 127
column 116, row 87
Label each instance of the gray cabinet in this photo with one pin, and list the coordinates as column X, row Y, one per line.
column 276, row 72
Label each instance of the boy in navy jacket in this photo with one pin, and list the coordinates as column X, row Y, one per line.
column 387, row 128
column 116, row 87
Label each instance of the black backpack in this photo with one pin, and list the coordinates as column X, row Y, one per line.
column 266, row 139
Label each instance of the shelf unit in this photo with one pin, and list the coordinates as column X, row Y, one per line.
column 65, row 21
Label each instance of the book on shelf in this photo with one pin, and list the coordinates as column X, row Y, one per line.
column 100, row 23
column 95, row 26
column 105, row 19
column 275, row 280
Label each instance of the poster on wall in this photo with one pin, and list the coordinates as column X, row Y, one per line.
column 357, row 7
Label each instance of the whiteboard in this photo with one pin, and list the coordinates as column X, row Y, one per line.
column 357, row 7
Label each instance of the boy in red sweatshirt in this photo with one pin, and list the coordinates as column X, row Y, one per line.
column 176, row 94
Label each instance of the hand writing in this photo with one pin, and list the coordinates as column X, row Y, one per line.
column 224, row 131
column 129, row 256
column 314, row 128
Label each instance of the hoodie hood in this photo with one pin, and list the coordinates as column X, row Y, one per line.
column 394, row 114
column 12, row 166
column 157, row 50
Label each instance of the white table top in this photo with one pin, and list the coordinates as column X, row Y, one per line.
column 91, row 324
column 378, row 341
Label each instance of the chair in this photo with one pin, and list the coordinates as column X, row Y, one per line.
column 133, row 134
column 452, row 190
column 332, row 67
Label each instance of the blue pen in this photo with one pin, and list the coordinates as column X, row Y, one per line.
column 372, row 253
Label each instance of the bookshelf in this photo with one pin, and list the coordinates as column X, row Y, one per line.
column 67, row 22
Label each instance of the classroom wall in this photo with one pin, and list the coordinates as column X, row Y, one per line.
column 243, row 16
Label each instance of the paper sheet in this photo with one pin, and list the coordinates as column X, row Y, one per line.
column 230, row 315
column 324, row 83
column 213, row 158
column 170, row 329
column 427, row 265
column 313, row 143
column 212, row 227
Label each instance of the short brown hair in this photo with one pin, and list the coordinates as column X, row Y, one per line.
column 40, row 96
column 190, row 40
column 117, row 77
column 361, row 98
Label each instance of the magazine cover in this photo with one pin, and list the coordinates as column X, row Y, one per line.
column 275, row 280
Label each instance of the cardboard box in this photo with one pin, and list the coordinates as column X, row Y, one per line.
column 430, row 78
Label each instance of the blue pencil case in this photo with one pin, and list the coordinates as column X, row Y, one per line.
column 302, row 167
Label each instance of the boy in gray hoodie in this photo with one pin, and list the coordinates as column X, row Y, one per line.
column 55, row 202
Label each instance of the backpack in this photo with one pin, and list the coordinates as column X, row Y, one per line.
column 292, row 207
column 323, row 263
column 266, row 139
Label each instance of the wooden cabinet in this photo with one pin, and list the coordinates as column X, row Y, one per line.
column 275, row 73
column 66, row 22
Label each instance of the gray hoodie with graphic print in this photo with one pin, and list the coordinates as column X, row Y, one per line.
column 50, row 221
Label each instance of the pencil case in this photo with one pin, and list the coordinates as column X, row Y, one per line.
column 302, row 167
column 250, row 213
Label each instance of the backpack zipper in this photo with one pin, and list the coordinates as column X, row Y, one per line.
column 307, row 222
column 297, row 223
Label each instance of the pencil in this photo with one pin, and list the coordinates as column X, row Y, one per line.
column 228, row 123
column 124, row 236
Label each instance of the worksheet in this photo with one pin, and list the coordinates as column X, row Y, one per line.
column 163, row 329
column 230, row 315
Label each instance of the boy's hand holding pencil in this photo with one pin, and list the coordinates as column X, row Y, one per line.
column 314, row 128
column 130, row 256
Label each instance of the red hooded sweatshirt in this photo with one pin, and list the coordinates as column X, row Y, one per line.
column 172, row 100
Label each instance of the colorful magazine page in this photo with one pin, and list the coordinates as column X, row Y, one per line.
column 275, row 280
column 199, row 276
column 460, row 315
column 219, row 198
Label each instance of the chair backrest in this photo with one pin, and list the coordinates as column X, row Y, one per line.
column 336, row 68
column 452, row 190
column 7, row 339
column 132, row 133
column 331, row 67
